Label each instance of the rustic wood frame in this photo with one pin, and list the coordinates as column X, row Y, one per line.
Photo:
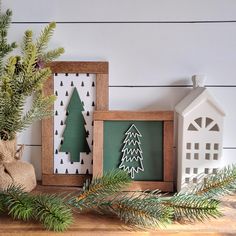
column 167, row 185
column 101, row 71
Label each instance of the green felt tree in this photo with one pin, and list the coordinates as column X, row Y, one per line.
column 23, row 76
column 75, row 134
column 132, row 159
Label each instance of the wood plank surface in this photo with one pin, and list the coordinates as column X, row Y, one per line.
column 134, row 115
column 98, row 148
column 64, row 180
column 93, row 224
column 79, row 67
column 102, row 92
column 168, row 155
column 122, row 10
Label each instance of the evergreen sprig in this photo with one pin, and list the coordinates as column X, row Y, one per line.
column 5, row 48
column 23, row 76
column 94, row 192
column 18, row 203
column 1, row 203
column 53, row 212
column 217, row 185
column 192, row 207
column 141, row 210
column 153, row 209
column 50, row 210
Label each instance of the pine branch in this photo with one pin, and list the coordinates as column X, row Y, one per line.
column 5, row 48
column 24, row 76
column 18, row 203
column 216, row 185
column 27, row 41
column 144, row 210
column 52, row 55
column 40, row 109
column 192, row 207
column 29, row 60
column 95, row 192
column 53, row 212
column 44, row 38
column 2, row 203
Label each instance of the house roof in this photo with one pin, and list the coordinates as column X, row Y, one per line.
column 194, row 98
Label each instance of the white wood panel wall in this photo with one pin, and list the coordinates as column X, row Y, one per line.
column 153, row 47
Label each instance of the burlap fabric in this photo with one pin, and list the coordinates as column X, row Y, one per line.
column 12, row 169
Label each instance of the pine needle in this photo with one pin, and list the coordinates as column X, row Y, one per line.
column 219, row 184
column 23, row 76
column 192, row 207
column 45, row 36
column 2, row 203
column 53, row 212
column 144, row 210
column 100, row 188
column 18, row 203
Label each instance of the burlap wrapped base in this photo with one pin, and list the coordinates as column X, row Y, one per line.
column 13, row 170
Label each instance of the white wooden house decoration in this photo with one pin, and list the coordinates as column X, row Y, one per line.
column 200, row 131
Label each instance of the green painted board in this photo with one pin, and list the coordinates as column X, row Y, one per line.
column 151, row 144
column 75, row 134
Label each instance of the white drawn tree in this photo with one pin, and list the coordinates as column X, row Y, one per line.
column 132, row 159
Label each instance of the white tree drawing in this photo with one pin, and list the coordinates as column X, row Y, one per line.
column 132, row 159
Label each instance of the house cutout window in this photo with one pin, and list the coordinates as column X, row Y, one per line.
column 206, row 123
column 187, row 170
column 192, row 128
column 215, row 128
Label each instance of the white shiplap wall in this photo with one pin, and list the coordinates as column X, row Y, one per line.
column 153, row 47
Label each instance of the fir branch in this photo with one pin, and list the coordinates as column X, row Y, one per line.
column 5, row 48
column 29, row 60
column 27, row 41
column 52, row 55
column 40, row 109
column 53, row 212
column 95, row 192
column 18, row 203
column 216, row 185
column 23, row 77
column 192, row 207
column 44, row 38
column 2, row 206
column 143, row 210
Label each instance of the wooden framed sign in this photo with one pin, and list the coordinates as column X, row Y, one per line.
column 140, row 143
column 67, row 137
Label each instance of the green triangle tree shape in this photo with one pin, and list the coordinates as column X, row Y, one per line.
column 132, row 159
column 74, row 134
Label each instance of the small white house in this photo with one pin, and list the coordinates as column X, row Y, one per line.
column 200, row 131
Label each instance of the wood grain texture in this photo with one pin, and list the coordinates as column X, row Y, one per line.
column 102, row 92
column 47, row 134
column 169, row 167
column 98, row 148
column 82, row 67
column 164, row 186
column 64, row 180
column 101, row 71
column 134, row 115
column 101, row 225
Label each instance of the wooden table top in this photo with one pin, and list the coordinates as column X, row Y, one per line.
column 93, row 224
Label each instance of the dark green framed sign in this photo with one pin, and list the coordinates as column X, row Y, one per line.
column 140, row 143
